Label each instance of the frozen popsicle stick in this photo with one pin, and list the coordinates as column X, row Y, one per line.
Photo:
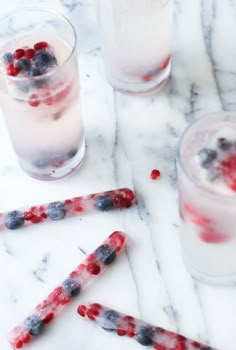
column 104, row 201
column 144, row 333
column 45, row 312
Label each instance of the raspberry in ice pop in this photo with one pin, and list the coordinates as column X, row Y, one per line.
column 104, row 201
column 144, row 333
column 71, row 287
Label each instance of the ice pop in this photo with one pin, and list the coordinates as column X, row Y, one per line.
column 71, row 287
column 103, row 201
column 144, row 333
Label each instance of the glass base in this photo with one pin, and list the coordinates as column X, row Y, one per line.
column 215, row 280
column 56, row 173
column 144, row 88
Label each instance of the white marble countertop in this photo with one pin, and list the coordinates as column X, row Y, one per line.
column 126, row 138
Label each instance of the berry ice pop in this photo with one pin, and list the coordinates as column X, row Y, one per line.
column 104, row 201
column 71, row 287
column 144, row 333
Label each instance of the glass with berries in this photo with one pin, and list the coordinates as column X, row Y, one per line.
column 207, row 197
column 40, row 92
column 136, row 43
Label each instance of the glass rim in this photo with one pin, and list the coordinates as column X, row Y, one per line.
column 205, row 191
column 48, row 11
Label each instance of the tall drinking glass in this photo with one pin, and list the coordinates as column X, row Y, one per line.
column 136, row 42
column 207, row 196
column 39, row 92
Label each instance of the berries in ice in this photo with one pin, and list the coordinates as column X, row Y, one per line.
column 145, row 336
column 14, row 219
column 106, row 254
column 56, row 211
column 34, row 325
column 104, row 203
column 71, row 287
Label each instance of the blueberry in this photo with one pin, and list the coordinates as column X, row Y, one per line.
column 44, row 59
column 145, row 336
column 110, row 320
column 106, row 254
column 56, row 211
column 223, row 144
column 103, row 203
column 207, row 156
column 34, row 325
column 7, row 57
column 24, row 64
column 14, row 219
column 71, row 287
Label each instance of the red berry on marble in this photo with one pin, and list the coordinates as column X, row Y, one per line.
column 155, row 174
column 11, row 69
column 209, row 235
column 34, row 101
column 19, row 53
column 165, row 63
column 29, row 53
column 81, row 310
column 48, row 318
column 121, row 332
column 41, row 45
column 93, row 269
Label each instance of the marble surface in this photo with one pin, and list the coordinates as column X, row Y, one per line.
column 126, row 138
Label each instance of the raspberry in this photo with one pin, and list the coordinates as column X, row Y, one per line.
column 155, row 174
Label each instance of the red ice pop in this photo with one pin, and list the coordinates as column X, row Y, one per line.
column 103, row 201
column 144, row 333
column 45, row 312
